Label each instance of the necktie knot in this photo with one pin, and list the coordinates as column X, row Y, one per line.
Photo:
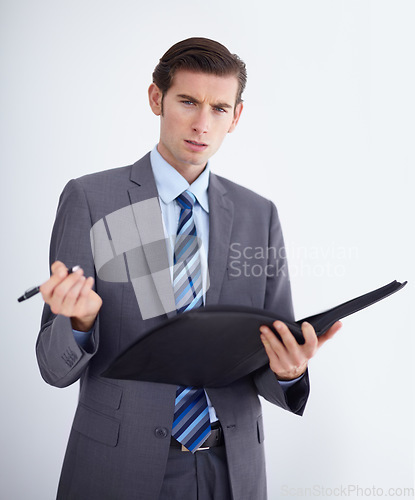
column 186, row 200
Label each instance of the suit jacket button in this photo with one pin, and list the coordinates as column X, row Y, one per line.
column 161, row 432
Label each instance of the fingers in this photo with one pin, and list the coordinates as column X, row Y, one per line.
column 286, row 357
column 312, row 342
column 79, row 299
column 288, row 341
column 57, row 266
column 310, row 339
column 70, row 294
column 273, row 347
column 87, row 287
column 59, row 272
column 63, row 289
column 330, row 333
column 271, row 351
column 276, row 348
column 287, row 337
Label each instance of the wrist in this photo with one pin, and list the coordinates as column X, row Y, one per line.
column 292, row 375
column 82, row 324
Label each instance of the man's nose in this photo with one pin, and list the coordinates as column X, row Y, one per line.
column 201, row 122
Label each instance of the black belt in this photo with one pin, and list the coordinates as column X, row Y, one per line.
column 215, row 439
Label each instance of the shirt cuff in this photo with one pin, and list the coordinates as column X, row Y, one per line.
column 286, row 384
column 83, row 339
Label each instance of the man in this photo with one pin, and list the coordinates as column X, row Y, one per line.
column 125, row 443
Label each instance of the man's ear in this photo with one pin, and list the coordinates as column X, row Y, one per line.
column 155, row 97
column 236, row 116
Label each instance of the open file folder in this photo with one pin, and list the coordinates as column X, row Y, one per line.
column 214, row 346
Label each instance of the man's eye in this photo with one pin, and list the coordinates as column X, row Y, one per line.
column 188, row 103
column 220, row 110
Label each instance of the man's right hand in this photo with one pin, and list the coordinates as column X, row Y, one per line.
column 71, row 295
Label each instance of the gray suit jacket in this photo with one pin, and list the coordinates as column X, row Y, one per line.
column 120, row 439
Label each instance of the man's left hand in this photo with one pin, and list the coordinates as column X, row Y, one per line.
column 288, row 359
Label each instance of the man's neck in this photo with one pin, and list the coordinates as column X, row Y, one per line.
column 186, row 170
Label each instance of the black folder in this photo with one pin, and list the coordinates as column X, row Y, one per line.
column 214, row 346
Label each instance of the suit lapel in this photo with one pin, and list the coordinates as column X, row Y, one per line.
column 148, row 219
column 220, row 228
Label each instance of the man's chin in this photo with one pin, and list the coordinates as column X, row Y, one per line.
column 195, row 161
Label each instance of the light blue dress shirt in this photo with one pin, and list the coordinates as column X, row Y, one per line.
column 170, row 184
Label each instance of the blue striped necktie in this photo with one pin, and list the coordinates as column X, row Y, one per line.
column 191, row 423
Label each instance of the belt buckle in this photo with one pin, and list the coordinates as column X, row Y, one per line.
column 197, row 449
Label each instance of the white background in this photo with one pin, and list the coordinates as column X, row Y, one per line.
column 327, row 133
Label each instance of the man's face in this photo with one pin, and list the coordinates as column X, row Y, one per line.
column 198, row 111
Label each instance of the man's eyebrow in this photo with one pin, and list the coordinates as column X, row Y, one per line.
column 196, row 101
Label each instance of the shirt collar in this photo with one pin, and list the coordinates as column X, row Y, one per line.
column 170, row 183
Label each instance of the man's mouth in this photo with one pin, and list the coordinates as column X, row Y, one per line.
column 196, row 143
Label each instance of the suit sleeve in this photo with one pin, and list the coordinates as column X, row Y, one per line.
column 278, row 298
column 61, row 360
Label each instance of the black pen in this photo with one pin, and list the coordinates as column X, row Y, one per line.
column 36, row 289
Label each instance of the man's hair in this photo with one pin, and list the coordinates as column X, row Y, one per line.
column 199, row 55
